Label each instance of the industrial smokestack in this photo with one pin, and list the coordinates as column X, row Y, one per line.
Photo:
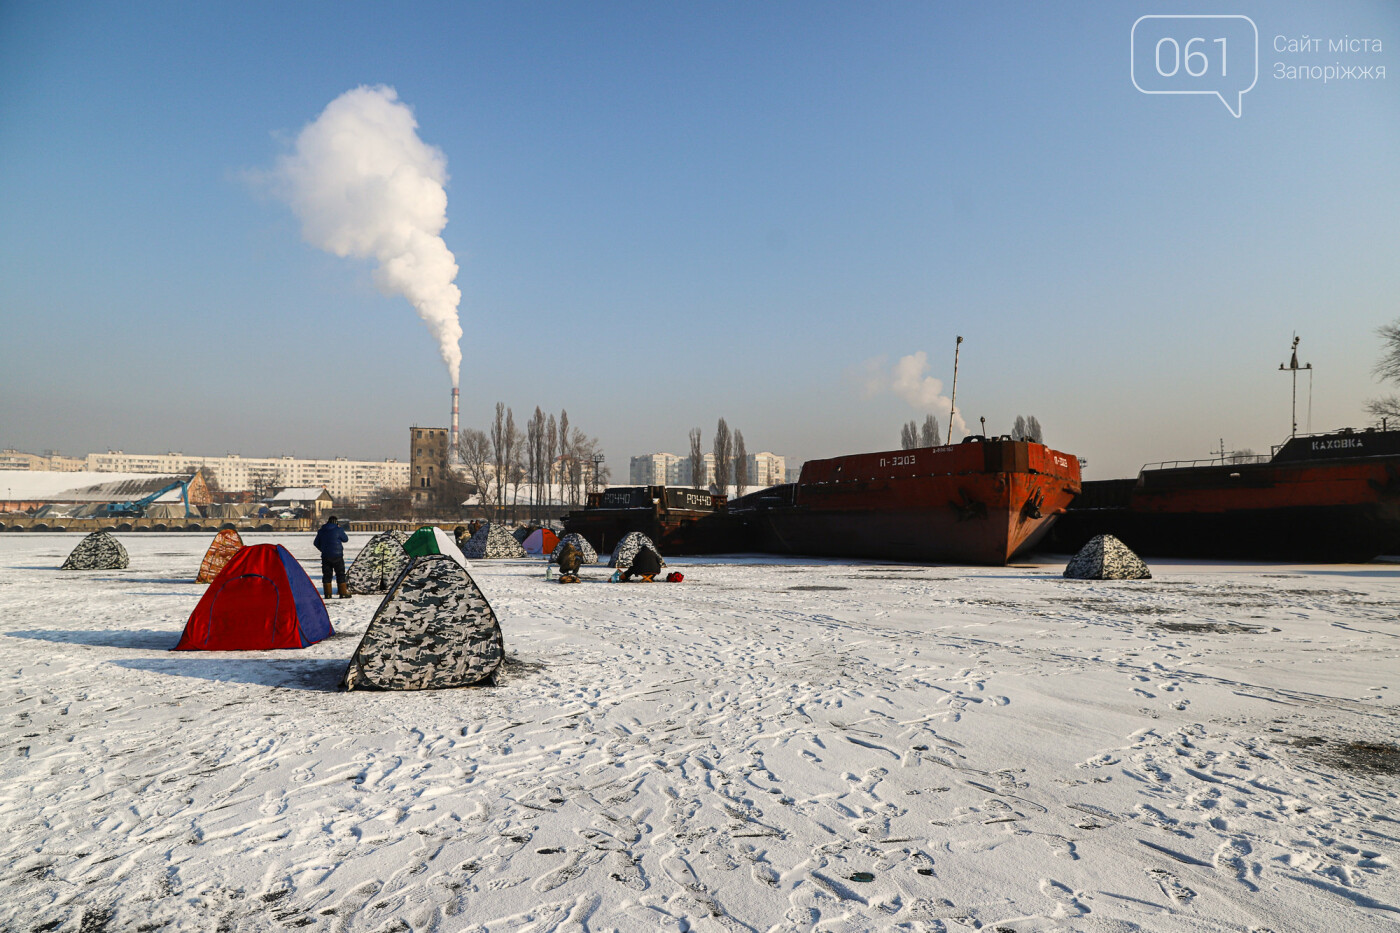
column 452, row 439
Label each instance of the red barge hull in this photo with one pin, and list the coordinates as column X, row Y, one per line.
column 978, row 502
column 1326, row 498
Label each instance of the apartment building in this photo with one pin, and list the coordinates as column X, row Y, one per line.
column 655, row 470
column 347, row 480
column 764, row 469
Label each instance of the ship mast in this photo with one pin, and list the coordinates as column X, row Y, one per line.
column 953, row 399
column 1293, row 368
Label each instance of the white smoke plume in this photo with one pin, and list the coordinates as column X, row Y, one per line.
column 364, row 185
column 908, row 379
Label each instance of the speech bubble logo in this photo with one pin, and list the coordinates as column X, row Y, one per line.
column 1178, row 54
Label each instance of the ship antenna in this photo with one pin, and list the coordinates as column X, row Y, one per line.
column 953, row 399
column 1293, row 368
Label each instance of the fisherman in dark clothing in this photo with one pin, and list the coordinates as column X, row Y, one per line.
column 570, row 559
column 328, row 541
column 461, row 534
column 647, row 564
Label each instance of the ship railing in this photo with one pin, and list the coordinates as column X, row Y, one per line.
column 1228, row 460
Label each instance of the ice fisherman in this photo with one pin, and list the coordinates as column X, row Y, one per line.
column 329, row 541
column 570, row 559
column 647, row 564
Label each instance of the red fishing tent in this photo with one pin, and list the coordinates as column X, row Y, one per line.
column 261, row 599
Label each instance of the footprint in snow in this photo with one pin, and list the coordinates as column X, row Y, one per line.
column 1067, row 903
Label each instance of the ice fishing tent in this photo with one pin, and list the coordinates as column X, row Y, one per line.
column 433, row 630
column 98, row 551
column 491, row 542
column 541, row 541
column 430, row 540
column 261, row 599
column 378, row 563
column 590, row 556
column 627, row 548
column 221, row 550
column 1106, row 558
column 521, row 533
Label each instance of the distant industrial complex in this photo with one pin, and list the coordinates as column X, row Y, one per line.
column 346, row 482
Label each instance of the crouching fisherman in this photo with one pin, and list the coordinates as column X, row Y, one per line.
column 570, row 559
column 329, row 539
column 647, row 564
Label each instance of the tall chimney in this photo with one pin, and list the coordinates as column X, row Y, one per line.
column 452, row 438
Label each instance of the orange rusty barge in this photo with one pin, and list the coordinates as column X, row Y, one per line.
column 978, row 502
column 1326, row 497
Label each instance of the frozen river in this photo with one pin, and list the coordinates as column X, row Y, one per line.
column 773, row 744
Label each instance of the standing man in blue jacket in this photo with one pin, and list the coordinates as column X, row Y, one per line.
column 328, row 541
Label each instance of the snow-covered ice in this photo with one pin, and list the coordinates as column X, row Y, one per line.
column 771, row 745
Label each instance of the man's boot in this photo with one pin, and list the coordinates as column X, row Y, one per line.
column 328, row 590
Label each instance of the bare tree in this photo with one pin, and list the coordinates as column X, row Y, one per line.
column 216, row 491
column 534, row 453
column 697, row 460
column 929, row 435
column 578, row 452
column 262, row 480
column 1387, row 369
column 564, row 453
column 474, row 448
column 513, row 444
column 741, row 463
column 452, row 489
column 551, row 448
column 1027, row 428
column 724, row 454
column 498, row 454
column 908, row 436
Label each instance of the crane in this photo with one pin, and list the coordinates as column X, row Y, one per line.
column 137, row 507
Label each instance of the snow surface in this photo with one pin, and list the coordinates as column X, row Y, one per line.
column 771, row 745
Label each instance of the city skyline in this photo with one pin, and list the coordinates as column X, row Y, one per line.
column 780, row 215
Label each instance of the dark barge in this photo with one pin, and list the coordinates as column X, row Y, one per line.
column 1325, row 498
column 680, row 520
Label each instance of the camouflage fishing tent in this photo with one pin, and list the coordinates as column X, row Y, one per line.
column 379, row 562
column 261, row 599
column 1106, row 558
column 221, row 550
column 491, row 542
column 627, row 548
column 590, row 556
column 98, row 551
column 433, row 630
column 431, row 540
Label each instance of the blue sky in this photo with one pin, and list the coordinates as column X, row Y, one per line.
column 666, row 214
